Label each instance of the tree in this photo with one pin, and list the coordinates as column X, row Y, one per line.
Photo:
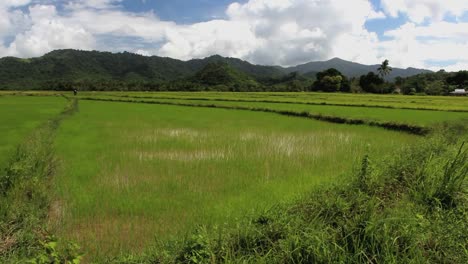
column 331, row 80
column 331, row 83
column 371, row 83
column 384, row 69
column 437, row 88
column 459, row 79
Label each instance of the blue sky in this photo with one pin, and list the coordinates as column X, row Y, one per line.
column 182, row 11
column 410, row 33
column 193, row 11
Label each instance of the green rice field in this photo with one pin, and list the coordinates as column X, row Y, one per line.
column 136, row 168
column 135, row 171
column 19, row 115
column 371, row 100
column 405, row 116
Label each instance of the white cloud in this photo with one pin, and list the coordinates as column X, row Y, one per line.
column 228, row 38
column 284, row 32
column 13, row 3
column 413, row 45
column 146, row 25
column 48, row 32
column 295, row 31
column 437, row 30
column 420, row 10
column 95, row 4
column 459, row 66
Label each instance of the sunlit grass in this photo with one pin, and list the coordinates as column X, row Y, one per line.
column 133, row 172
column 19, row 115
column 447, row 103
column 405, row 116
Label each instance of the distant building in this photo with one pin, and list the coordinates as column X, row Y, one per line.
column 459, row 92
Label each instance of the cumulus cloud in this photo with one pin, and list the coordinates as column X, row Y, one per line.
column 49, row 32
column 413, row 45
column 282, row 32
column 229, row 38
column 420, row 10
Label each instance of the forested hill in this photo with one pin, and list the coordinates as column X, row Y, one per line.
column 352, row 69
column 74, row 65
column 61, row 69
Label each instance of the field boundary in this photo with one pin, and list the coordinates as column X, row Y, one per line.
column 25, row 193
column 406, row 128
column 288, row 102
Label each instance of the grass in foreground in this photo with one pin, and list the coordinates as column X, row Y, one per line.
column 410, row 207
column 133, row 172
column 25, row 199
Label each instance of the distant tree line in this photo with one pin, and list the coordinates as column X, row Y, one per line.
column 437, row 83
column 330, row 80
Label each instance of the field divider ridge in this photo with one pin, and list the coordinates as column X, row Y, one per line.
column 289, row 102
column 400, row 127
column 26, row 196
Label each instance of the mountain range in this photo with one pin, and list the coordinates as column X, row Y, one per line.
column 77, row 65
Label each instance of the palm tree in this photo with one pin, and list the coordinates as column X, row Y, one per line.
column 384, row 69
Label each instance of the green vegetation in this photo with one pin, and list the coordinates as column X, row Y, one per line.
column 234, row 177
column 372, row 83
column 103, row 71
column 136, row 171
column 25, row 197
column 385, row 117
column 438, row 83
column 92, row 70
column 331, row 80
column 20, row 115
column 410, row 207
column 334, row 99
column 384, row 69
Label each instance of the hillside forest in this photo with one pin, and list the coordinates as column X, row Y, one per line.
column 104, row 71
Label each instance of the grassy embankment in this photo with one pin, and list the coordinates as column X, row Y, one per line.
column 133, row 172
column 26, row 179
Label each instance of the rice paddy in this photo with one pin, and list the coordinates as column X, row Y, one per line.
column 133, row 173
column 136, row 171
column 20, row 115
column 443, row 103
